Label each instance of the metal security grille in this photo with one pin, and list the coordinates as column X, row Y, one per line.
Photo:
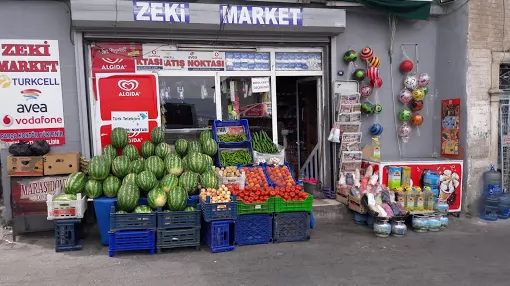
column 504, row 127
column 504, row 77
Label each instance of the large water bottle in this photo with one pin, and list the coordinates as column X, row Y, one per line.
column 492, row 182
column 504, row 205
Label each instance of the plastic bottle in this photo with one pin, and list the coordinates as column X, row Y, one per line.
column 301, row 178
column 490, row 206
column 492, row 181
column 420, row 200
column 410, row 199
column 429, row 198
column 504, row 205
column 376, row 150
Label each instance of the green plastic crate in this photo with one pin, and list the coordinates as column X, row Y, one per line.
column 281, row 206
column 256, row 208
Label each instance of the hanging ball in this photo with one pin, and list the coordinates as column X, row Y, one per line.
column 366, row 53
column 404, row 114
column 359, row 74
column 416, row 119
column 404, row 131
column 367, row 107
column 377, row 83
column 350, row 56
column 406, row 66
column 373, row 73
column 423, row 79
column 365, row 90
column 374, row 61
column 418, row 94
column 425, row 90
column 416, row 105
column 404, row 96
column 377, row 108
column 376, row 129
column 411, row 82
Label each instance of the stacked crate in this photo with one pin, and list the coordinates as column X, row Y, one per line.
column 178, row 229
column 219, row 220
column 67, row 216
column 254, row 222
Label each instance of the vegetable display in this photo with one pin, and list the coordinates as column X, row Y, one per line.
column 220, row 195
column 280, row 175
column 228, row 171
column 233, row 158
column 239, row 137
column 263, row 144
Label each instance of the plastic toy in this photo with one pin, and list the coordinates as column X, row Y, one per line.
column 416, row 119
column 374, row 61
column 377, row 108
column 373, row 73
column 423, row 79
column 376, row 129
column 365, row 90
column 366, row 53
column 406, row 66
column 416, row 105
column 425, row 90
column 350, row 56
column 405, row 96
column 411, row 82
column 367, row 107
column 418, row 94
column 404, row 131
column 359, row 74
column 377, row 82
column 404, row 114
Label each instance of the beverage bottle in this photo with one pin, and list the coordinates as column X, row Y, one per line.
column 376, row 150
column 504, row 205
column 490, row 206
column 492, row 181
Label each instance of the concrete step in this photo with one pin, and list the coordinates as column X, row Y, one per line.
column 329, row 209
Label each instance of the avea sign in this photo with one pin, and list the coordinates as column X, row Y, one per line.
column 161, row 12
column 251, row 15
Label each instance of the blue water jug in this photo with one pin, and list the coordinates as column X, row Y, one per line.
column 430, row 179
column 490, row 206
column 492, row 182
column 504, row 205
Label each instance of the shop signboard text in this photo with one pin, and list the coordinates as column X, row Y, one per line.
column 253, row 15
column 29, row 194
column 169, row 12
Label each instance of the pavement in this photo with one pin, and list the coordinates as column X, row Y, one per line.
column 468, row 252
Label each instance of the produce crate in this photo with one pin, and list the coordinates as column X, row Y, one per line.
column 289, row 227
column 132, row 240
column 240, row 181
column 67, row 235
column 260, row 166
column 255, row 208
column 175, row 238
column 281, row 206
column 219, row 235
column 66, row 209
column 222, row 147
column 219, row 211
column 222, row 126
column 290, row 171
column 192, row 201
column 178, row 219
column 254, row 229
column 131, row 221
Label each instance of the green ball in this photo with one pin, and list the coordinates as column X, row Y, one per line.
column 367, row 107
column 404, row 114
column 377, row 108
column 425, row 90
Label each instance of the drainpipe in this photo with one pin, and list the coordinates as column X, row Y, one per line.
column 494, row 113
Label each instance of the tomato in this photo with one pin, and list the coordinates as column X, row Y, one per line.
column 272, row 193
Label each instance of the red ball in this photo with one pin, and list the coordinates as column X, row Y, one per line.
column 416, row 119
column 406, row 66
column 377, row 82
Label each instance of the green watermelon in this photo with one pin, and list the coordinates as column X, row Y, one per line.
column 121, row 166
column 109, row 150
column 111, row 186
column 209, row 162
column 131, row 152
column 190, row 209
column 128, row 197
column 194, row 146
column 75, row 183
column 121, row 212
column 181, row 147
column 99, row 168
column 143, row 209
column 156, row 166
column 177, row 198
column 157, row 135
column 146, row 181
column 156, row 198
column 109, row 159
column 129, row 179
column 119, row 137
column 65, row 198
column 93, row 189
column 189, row 181
column 196, row 162
column 185, row 165
column 137, row 166
column 209, row 180
column 147, row 149
column 162, row 150
column 173, row 155
column 209, row 147
column 173, row 165
column 168, row 182
column 206, row 134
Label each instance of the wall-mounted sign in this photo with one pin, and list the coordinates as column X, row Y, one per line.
column 246, row 61
column 30, row 83
column 260, row 84
column 29, row 194
column 450, row 127
column 169, row 12
column 298, row 61
column 252, row 15
column 182, row 60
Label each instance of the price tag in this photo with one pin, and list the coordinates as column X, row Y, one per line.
column 258, row 207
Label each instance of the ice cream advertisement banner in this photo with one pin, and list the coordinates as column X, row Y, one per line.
column 30, row 85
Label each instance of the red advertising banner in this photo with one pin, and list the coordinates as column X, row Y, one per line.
column 29, row 194
column 450, row 127
column 134, row 138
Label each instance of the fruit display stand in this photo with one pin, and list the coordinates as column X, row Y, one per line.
column 235, row 129
column 233, row 155
column 71, row 209
column 218, row 211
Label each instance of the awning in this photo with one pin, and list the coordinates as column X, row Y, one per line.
column 412, row 9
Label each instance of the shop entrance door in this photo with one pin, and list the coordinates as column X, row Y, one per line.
column 308, row 91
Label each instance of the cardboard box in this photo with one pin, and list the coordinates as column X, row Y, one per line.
column 61, row 163
column 342, row 194
column 25, row 166
column 356, row 205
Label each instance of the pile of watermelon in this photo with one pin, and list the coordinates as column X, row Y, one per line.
column 166, row 177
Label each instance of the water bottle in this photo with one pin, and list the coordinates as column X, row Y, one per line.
column 490, row 206
column 504, row 205
column 492, row 182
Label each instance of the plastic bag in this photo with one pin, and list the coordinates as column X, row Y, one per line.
column 21, row 148
column 40, row 147
column 270, row 159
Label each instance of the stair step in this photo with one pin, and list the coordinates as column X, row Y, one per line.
column 329, row 209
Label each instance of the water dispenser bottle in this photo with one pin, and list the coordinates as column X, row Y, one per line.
column 504, row 205
column 492, row 182
column 491, row 194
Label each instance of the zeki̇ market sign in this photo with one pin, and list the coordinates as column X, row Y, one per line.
column 30, row 83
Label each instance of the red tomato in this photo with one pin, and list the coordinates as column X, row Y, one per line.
column 272, row 193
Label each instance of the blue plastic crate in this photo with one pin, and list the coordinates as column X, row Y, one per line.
column 175, row 238
column 67, row 235
column 292, row 226
column 246, row 145
column 219, row 235
column 178, row 219
column 192, row 201
column 132, row 221
column 132, row 240
column 290, row 171
column 230, row 123
column 261, row 166
column 254, row 229
column 219, row 211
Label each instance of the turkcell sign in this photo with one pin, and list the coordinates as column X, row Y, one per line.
column 254, row 15
column 169, row 12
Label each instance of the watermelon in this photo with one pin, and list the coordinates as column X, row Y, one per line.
column 189, row 181
column 206, row 134
column 177, row 198
column 111, row 186
column 173, row 155
column 93, row 189
column 109, row 150
column 168, row 182
column 185, row 165
column 209, row 162
column 128, row 197
column 75, row 183
column 142, row 209
column 162, row 150
column 209, row 180
column 146, row 181
column 137, row 166
column 209, row 147
column 157, row 135
column 156, row 166
column 121, row 212
column 109, row 159
column 190, row 209
column 121, row 166
column 65, row 198
column 119, row 137
column 156, row 198
column 196, row 162
column 147, row 149
column 131, row 152
column 129, row 179
column 194, row 146
column 181, row 147
column 99, row 168
column 173, row 166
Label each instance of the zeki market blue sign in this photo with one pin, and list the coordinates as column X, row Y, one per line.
column 170, row 12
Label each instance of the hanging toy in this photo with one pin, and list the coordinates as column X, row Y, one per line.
column 411, row 82
column 359, row 74
column 416, row 105
column 423, row 79
column 374, row 61
column 404, row 132
column 350, row 56
column 418, row 94
column 377, row 83
column 377, row 108
column 416, row 119
column 404, row 114
column 405, row 96
column 366, row 53
column 373, row 73
column 406, row 66
column 367, row 107
column 365, row 90
column 376, row 129
column 425, row 90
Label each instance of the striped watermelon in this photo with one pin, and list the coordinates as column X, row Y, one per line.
column 109, row 150
column 147, row 149
column 157, row 135
column 209, row 147
column 209, row 180
column 156, row 198
column 65, row 198
column 156, row 166
column 142, row 209
column 173, row 154
column 194, row 146
column 131, row 152
column 177, row 198
column 168, row 182
column 173, row 165
column 197, row 162
column 163, row 149
column 209, row 162
column 206, row 134
column 129, row 179
column 99, row 168
column 93, row 189
column 109, row 159
column 121, row 212
column 146, row 181
column 137, row 166
column 111, row 186
column 119, row 137
column 190, row 209
column 121, row 166
column 189, row 181
column 181, row 147
column 128, row 197
column 75, row 183
column 185, row 165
